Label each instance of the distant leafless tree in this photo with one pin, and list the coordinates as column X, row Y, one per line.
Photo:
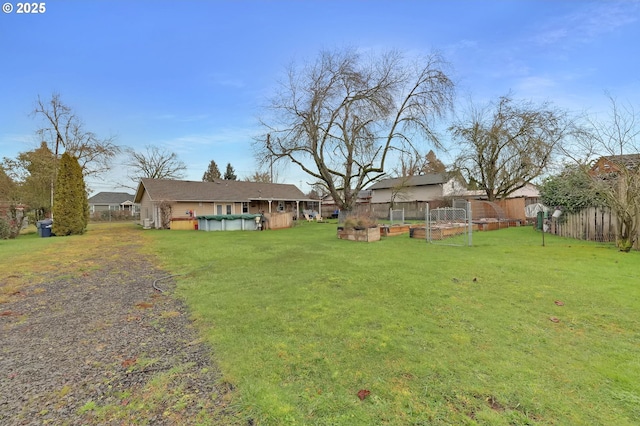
column 339, row 118
column 64, row 132
column 416, row 165
column 508, row 143
column 258, row 176
column 154, row 162
column 616, row 137
column 618, row 133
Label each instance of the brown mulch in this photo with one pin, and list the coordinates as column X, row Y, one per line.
column 103, row 347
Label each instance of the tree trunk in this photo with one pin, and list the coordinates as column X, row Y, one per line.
column 626, row 235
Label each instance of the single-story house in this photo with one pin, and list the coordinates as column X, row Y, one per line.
column 427, row 187
column 112, row 201
column 188, row 199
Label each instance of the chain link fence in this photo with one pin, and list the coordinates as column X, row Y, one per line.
column 449, row 225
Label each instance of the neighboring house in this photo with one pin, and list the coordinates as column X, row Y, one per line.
column 413, row 192
column 330, row 208
column 112, row 201
column 428, row 187
column 529, row 192
column 613, row 163
column 186, row 199
column 514, row 206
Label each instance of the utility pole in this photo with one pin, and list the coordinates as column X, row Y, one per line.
column 270, row 158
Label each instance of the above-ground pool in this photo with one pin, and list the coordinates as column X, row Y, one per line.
column 229, row 222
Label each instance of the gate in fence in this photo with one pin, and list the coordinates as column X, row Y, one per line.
column 449, row 225
column 396, row 216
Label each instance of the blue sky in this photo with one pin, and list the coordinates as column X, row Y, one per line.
column 193, row 76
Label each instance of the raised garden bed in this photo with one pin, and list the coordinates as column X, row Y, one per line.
column 441, row 232
column 366, row 234
column 493, row 225
column 393, row 230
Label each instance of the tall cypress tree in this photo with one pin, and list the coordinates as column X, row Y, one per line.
column 70, row 204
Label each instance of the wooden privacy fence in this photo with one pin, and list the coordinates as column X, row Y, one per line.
column 413, row 210
column 279, row 220
column 592, row 224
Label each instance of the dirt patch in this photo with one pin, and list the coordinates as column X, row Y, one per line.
column 98, row 345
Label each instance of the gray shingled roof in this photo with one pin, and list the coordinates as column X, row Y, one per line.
column 104, row 198
column 428, row 179
column 220, row 190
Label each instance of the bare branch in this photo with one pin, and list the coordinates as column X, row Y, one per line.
column 338, row 118
column 154, row 162
column 507, row 144
column 65, row 132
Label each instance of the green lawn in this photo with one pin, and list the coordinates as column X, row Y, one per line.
column 300, row 322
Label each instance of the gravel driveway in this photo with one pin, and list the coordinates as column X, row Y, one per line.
column 98, row 345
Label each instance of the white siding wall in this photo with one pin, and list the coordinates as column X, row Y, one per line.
column 146, row 207
column 453, row 187
column 416, row 193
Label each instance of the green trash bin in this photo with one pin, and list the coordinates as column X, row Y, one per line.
column 540, row 221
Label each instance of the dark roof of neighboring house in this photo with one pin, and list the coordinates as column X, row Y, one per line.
column 104, row 198
column 220, row 190
column 629, row 161
column 428, row 179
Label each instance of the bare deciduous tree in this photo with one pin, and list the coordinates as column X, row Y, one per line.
column 339, row 118
column 64, row 131
column 154, row 162
column 617, row 139
column 507, row 144
column 416, row 164
column 258, row 176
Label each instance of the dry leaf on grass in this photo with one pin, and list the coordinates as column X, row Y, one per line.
column 363, row 393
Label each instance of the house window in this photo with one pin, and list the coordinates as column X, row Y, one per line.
column 245, row 207
column 228, row 208
column 280, row 206
column 219, row 209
